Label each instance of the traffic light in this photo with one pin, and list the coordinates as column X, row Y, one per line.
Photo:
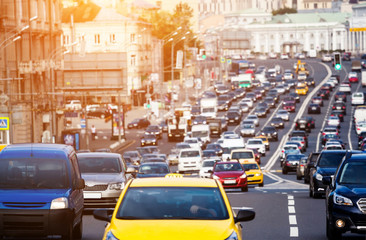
column 337, row 61
column 204, row 54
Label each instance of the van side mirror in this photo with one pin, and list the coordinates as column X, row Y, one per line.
column 79, row 183
column 327, row 180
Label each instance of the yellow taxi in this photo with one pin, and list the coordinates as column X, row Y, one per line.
column 254, row 173
column 301, row 89
column 173, row 208
column 264, row 140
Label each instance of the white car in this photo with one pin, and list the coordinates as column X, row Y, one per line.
column 256, row 143
column 360, row 127
column 300, row 140
column 284, row 56
column 248, row 101
column 330, row 130
column 301, row 76
column 254, row 118
column 326, row 58
column 193, row 142
column 333, row 80
column 288, row 76
column 334, row 121
column 345, row 87
column 280, row 89
column 285, row 115
column 358, row 98
column 247, row 130
column 333, row 147
column 73, row 105
column 272, row 72
column 289, row 147
column 207, row 165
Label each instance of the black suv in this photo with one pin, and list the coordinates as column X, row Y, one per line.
column 346, row 197
column 270, row 132
column 326, row 165
column 303, row 124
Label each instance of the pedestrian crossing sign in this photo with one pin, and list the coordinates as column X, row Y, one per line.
column 4, row 123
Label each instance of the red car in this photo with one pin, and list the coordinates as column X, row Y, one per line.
column 231, row 175
column 353, row 77
column 289, row 106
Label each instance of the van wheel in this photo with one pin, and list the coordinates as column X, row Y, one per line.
column 244, row 189
column 69, row 234
column 78, row 230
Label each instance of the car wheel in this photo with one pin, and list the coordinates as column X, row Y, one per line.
column 69, row 234
column 332, row 234
column 244, row 189
column 298, row 177
column 78, row 230
column 311, row 193
column 306, row 180
column 261, row 184
column 284, row 171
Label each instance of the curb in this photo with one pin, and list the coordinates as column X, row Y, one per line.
column 115, row 147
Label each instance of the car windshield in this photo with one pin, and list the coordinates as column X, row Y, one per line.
column 198, row 134
column 172, row 203
column 228, row 167
column 330, row 159
column 250, row 142
column 294, row 157
column 33, row 174
column 208, row 163
column 153, row 169
column 99, row 164
column 250, row 166
column 353, row 173
column 240, row 155
column 187, row 154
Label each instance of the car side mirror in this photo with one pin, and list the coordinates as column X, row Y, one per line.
column 79, row 183
column 244, row 216
column 312, row 164
column 103, row 214
column 327, row 180
column 210, row 171
column 130, row 170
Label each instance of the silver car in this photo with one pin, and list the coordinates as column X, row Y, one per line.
column 247, row 130
column 285, row 115
column 254, row 118
column 105, row 178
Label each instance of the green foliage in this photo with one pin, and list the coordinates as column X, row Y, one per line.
column 283, row 11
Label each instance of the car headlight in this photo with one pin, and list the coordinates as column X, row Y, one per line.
column 236, row 118
column 319, row 177
column 116, row 186
column 243, row 176
column 233, row 236
column 110, row 236
column 215, row 177
column 59, row 203
column 340, row 200
column 258, row 174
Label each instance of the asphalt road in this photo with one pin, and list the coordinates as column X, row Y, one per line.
column 283, row 207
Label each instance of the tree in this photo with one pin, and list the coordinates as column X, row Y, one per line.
column 283, row 11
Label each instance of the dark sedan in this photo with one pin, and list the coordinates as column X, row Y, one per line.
column 277, row 122
column 314, row 108
column 270, row 132
column 290, row 163
column 149, row 140
column 324, row 94
column 138, row 123
column 153, row 169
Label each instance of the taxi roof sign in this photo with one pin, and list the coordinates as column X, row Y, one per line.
column 174, row 175
column 4, row 123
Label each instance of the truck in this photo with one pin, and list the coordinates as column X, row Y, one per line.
column 201, row 131
column 301, row 68
column 243, row 80
column 312, row 53
column 178, row 125
column 356, row 66
column 209, row 107
column 363, row 78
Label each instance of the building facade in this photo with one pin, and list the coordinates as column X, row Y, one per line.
column 30, row 32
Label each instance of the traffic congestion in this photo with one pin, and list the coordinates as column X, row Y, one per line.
column 234, row 161
column 264, row 141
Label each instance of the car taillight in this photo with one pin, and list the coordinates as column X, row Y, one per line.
column 283, row 151
column 296, row 124
column 288, row 164
column 333, row 107
column 302, row 142
column 323, row 133
column 343, row 107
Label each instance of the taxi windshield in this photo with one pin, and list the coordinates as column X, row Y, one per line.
column 172, row 203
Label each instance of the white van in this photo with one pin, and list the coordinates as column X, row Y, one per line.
column 358, row 98
column 363, row 78
column 360, row 113
column 201, row 131
column 189, row 159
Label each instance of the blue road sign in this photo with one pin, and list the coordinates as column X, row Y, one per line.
column 4, row 123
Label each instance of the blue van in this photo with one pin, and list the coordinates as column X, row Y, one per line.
column 41, row 191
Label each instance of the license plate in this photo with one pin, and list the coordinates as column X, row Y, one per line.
column 338, row 107
column 314, row 108
column 92, row 195
column 229, row 182
column 177, row 135
column 302, row 125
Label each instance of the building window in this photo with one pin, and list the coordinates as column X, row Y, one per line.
column 132, row 38
column 66, row 39
column 271, row 36
column 34, row 10
column 112, row 38
column 311, row 46
column 322, row 47
column 44, row 10
column 291, row 35
column 133, row 60
column 315, row 5
column 97, row 39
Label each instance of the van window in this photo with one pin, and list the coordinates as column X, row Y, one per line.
column 190, row 154
column 33, row 174
column 240, row 155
